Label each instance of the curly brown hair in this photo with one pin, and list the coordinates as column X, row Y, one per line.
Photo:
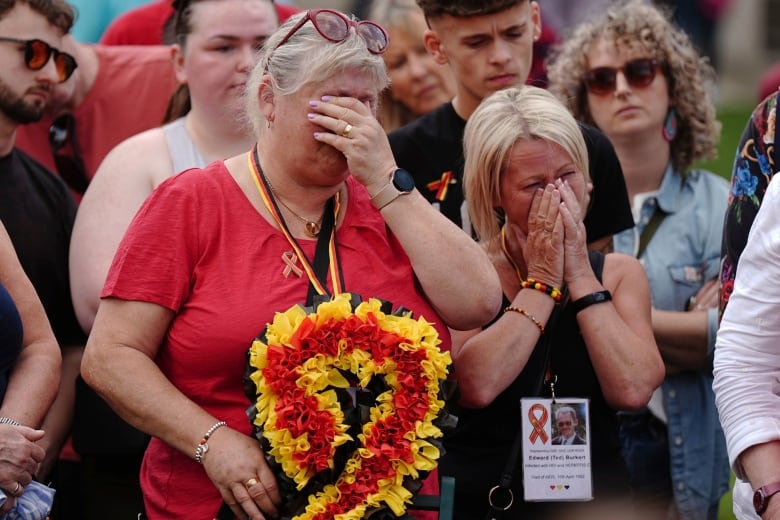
column 437, row 8
column 59, row 13
column 636, row 25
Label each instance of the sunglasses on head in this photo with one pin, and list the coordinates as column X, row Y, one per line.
column 37, row 54
column 334, row 27
column 638, row 73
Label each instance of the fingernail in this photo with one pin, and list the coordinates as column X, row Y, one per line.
column 325, row 98
column 313, row 103
column 311, row 116
column 316, row 135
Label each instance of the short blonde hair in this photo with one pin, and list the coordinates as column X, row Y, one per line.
column 502, row 119
column 306, row 58
column 635, row 25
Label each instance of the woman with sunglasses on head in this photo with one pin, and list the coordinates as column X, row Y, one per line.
column 417, row 83
column 214, row 253
column 641, row 81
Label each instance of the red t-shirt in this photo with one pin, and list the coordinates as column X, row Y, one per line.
column 144, row 25
column 198, row 247
column 129, row 95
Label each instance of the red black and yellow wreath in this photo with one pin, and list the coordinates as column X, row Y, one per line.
column 348, row 404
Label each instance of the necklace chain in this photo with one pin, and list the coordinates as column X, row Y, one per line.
column 311, row 227
column 509, row 258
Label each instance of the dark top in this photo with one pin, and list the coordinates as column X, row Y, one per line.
column 477, row 451
column 432, row 145
column 11, row 335
column 38, row 211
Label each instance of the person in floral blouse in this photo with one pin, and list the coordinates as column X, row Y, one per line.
column 755, row 163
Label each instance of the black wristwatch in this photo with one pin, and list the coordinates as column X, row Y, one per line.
column 762, row 495
column 401, row 183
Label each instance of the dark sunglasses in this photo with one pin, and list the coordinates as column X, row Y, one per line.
column 639, row 73
column 38, row 52
column 334, row 27
column 67, row 156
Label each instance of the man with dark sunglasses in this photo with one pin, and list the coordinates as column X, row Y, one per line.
column 35, row 205
column 489, row 46
column 90, row 114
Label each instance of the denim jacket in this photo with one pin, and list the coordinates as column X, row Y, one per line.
column 684, row 253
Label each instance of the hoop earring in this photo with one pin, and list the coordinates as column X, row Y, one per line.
column 670, row 126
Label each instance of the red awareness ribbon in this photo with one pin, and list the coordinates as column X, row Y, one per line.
column 440, row 186
column 538, row 423
column 290, row 259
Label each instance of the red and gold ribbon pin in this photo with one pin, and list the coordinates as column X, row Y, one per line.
column 440, row 186
column 538, row 423
column 290, row 260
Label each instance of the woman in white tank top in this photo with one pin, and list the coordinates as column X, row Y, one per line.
column 216, row 44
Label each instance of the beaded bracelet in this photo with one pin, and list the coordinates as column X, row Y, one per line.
column 527, row 315
column 552, row 292
column 203, row 445
column 8, row 420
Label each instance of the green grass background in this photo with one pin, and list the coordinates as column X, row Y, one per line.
column 733, row 117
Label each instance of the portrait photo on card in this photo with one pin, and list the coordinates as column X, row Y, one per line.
column 569, row 423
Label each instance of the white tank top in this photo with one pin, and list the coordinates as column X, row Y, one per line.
column 184, row 153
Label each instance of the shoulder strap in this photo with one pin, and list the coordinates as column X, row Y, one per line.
column 649, row 230
column 596, row 263
column 321, row 252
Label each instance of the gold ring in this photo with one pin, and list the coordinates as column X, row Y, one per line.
column 17, row 490
column 251, row 482
column 346, row 131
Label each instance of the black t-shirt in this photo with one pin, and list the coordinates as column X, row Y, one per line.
column 38, row 210
column 431, row 149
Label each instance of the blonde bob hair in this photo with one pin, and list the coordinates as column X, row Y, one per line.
column 307, row 57
column 633, row 25
column 504, row 118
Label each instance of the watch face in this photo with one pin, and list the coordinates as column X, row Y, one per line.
column 403, row 180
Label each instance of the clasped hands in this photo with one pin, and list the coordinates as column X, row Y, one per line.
column 555, row 246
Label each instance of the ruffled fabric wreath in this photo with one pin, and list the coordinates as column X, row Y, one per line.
column 348, row 403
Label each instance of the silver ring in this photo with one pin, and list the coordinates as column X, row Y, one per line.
column 346, row 131
column 17, row 490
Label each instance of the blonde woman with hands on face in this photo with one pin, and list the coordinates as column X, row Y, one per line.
column 526, row 162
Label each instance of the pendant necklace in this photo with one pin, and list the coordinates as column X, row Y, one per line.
column 509, row 258
column 311, row 227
